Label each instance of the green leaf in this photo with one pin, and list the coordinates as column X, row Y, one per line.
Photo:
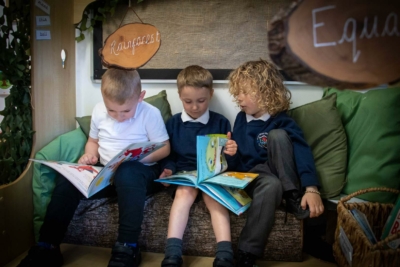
column 81, row 37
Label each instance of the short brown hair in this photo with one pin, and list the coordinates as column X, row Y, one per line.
column 264, row 82
column 120, row 85
column 195, row 76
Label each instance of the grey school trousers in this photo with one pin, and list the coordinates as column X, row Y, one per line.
column 275, row 177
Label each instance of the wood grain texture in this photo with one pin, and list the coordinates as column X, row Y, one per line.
column 79, row 7
column 53, row 87
column 338, row 43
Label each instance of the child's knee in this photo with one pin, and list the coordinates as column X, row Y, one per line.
column 278, row 135
column 186, row 192
column 131, row 173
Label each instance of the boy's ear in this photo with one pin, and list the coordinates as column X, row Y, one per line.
column 211, row 92
column 141, row 96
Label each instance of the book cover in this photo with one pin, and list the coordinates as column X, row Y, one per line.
column 90, row 179
column 361, row 219
column 392, row 225
column 211, row 178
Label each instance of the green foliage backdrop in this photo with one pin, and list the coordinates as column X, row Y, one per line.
column 17, row 134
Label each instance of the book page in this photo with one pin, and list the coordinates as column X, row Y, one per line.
column 79, row 175
column 236, row 200
column 181, row 178
column 233, row 179
column 210, row 156
column 132, row 152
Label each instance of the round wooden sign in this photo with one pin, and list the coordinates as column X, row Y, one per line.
column 130, row 46
column 340, row 43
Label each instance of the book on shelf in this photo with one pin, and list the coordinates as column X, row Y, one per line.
column 89, row 179
column 362, row 220
column 392, row 225
column 211, row 176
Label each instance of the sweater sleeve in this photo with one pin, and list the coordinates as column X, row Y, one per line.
column 302, row 154
column 169, row 161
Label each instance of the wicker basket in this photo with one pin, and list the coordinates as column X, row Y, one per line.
column 364, row 253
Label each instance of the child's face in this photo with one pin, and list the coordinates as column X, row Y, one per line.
column 248, row 104
column 195, row 100
column 125, row 111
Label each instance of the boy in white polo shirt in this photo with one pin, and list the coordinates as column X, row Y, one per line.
column 123, row 118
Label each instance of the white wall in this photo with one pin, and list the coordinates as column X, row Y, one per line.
column 88, row 92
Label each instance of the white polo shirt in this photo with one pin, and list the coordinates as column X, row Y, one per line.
column 147, row 125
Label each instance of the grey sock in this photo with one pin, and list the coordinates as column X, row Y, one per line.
column 173, row 247
column 224, row 250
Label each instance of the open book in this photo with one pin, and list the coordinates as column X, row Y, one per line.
column 90, row 179
column 224, row 187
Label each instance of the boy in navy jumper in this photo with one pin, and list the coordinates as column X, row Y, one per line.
column 271, row 144
column 195, row 91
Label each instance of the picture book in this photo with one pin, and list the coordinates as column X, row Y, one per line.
column 392, row 225
column 211, row 178
column 362, row 220
column 89, row 179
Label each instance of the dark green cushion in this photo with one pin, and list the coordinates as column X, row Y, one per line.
column 372, row 124
column 159, row 101
column 324, row 132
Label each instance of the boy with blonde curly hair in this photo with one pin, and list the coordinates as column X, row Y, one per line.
column 271, row 144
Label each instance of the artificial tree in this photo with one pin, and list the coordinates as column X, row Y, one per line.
column 16, row 127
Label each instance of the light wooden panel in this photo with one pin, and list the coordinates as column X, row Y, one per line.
column 53, row 99
column 54, row 87
column 79, row 6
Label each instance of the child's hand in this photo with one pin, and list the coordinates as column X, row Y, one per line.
column 230, row 146
column 88, row 159
column 314, row 202
column 165, row 173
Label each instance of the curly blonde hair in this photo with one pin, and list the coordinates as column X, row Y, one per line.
column 262, row 80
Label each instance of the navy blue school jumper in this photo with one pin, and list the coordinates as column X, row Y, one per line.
column 182, row 137
column 277, row 151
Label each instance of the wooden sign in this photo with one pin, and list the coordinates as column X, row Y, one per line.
column 343, row 44
column 130, row 46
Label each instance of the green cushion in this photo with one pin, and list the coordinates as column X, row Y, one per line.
column 324, row 132
column 159, row 101
column 68, row 147
column 372, row 124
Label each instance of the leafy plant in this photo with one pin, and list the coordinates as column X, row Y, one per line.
column 97, row 11
column 16, row 127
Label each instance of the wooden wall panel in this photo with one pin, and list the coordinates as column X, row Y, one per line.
column 53, row 99
column 53, row 87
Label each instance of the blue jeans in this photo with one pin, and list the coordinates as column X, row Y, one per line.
column 133, row 181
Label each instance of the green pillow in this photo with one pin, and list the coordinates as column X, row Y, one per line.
column 324, row 132
column 66, row 147
column 372, row 124
column 159, row 101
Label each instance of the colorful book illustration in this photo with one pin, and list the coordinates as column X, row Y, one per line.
column 90, row 179
column 362, row 220
column 392, row 225
column 211, row 178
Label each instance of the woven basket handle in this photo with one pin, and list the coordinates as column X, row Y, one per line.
column 369, row 190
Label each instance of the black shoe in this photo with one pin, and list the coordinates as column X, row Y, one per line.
column 172, row 261
column 39, row 256
column 245, row 259
column 293, row 205
column 124, row 256
column 222, row 262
